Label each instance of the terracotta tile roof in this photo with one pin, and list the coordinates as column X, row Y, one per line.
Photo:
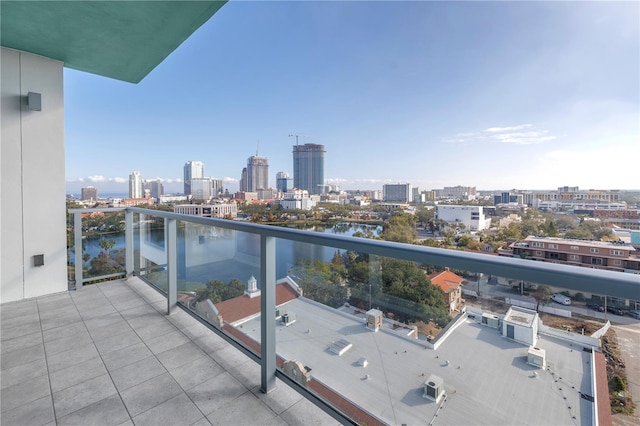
column 243, row 306
column 602, row 389
column 446, row 280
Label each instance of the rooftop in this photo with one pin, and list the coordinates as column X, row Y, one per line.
column 486, row 376
column 105, row 354
column 446, row 280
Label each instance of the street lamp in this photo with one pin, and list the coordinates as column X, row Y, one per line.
column 479, row 278
column 369, row 296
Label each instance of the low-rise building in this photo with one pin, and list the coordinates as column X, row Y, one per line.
column 451, row 285
column 611, row 255
column 208, row 210
column 472, row 217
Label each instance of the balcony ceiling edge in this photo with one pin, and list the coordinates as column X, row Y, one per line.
column 123, row 40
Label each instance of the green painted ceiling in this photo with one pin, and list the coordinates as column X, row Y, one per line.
column 120, row 39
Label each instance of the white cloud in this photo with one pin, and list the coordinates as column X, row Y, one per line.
column 511, row 135
column 118, row 180
column 508, row 129
column 96, row 178
column 229, row 179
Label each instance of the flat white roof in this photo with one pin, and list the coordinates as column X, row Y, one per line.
column 486, row 376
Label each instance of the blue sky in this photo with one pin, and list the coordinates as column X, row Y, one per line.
column 496, row 95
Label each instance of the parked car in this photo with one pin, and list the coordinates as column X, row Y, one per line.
column 595, row 307
column 561, row 299
column 634, row 314
column 614, row 310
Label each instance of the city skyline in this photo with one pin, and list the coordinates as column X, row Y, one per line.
column 430, row 93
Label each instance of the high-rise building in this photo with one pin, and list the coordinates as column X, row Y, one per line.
column 308, row 167
column 243, row 180
column 283, row 182
column 156, row 189
column 89, row 193
column 192, row 170
column 257, row 173
column 398, row 192
column 201, row 188
column 135, row 185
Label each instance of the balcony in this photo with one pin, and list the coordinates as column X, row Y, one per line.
column 156, row 347
column 106, row 354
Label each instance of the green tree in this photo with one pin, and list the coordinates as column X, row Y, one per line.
column 106, row 245
column 542, row 295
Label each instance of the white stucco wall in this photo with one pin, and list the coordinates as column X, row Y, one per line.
column 32, row 178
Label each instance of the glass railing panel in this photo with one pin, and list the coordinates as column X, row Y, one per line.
column 219, row 274
column 103, row 245
column 150, row 251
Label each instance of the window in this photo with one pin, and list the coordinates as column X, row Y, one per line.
column 616, row 252
column 617, row 262
column 538, row 253
column 594, row 250
column 554, row 256
column 575, row 248
column 537, row 244
column 553, row 246
column 575, row 257
column 596, row 261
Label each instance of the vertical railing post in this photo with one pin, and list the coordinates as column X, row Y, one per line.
column 142, row 232
column 172, row 264
column 128, row 242
column 267, row 309
column 77, row 242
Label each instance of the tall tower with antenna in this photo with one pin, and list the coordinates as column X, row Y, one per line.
column 257, row 172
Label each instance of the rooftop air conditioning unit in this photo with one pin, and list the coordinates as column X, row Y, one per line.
column 433, row 388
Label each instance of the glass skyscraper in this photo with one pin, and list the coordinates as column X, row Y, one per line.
column 135, row 185
column 308, row 167
column 257, row 173
column 192, row 170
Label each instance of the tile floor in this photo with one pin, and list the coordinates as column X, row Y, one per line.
column 107, row 355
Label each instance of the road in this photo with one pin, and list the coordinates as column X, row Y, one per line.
column 504, row 289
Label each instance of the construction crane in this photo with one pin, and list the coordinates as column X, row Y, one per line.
column 297, row 136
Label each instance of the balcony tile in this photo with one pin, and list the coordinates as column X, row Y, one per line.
column 82, row 338
column 11, row 322
column 196, row 372
column 117, row 341
column 216, row 392
column 24, row 392
column 106, row 412
column 304, row 412
column 103, row 321
column 18, row 308
column 63, row 332
column 62, row 321
column 179, row 410
column 76, row 374
column 22, row 356
column 38, row 412
column 20, row 330
column 136, row 373
column 166, row 341
column 97, row 311
column 21, row 342
column 149, row 394
column 116, row 328
column 158, row 328
column 180, row 355
column 20, row 373
column 247, row 372
column 71, row 357
column 125, row 356
column 280, row 399
column 202, row 422
column 243, row 410
column 211, row 343
column 82, row 395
